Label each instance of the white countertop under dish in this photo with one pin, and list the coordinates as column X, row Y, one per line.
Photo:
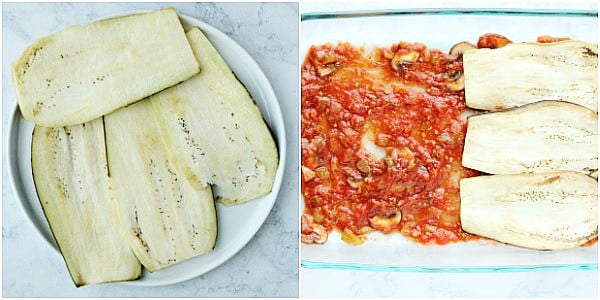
column 268, row 265
column 368, row 284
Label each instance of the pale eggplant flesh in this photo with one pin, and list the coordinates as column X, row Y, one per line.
column 85, row 71
column 70, row 174
column 522, row 73
column 542, row 136
column 544, row 211
column 216, row 131
column 167, row 218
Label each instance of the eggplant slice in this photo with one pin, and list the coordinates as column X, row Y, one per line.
column 522, row 73
column 543, row 136
column 167, row 217
column 216, row 131
column 554, row 210
column 83, row 72
column 70, row 175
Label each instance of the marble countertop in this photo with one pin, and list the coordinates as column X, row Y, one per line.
column 265, row 267
column 368, row 284
column 372, row 284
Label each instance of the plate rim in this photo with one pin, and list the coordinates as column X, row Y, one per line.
column 280, row 138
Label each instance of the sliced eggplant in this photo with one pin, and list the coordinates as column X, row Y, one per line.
column 216, row 131
column 167, row 217
column 543, row 136
column 70, row 175
column 554, row 210
column 522, row 73
column 83, row 72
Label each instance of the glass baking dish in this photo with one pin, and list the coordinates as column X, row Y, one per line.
column 442, row 28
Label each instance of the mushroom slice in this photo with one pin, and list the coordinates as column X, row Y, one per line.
column 461, row 48
column 386, row 223
column 458, row 84
column 555, row 210
column 403, row 57
column 363, row 166
column 312, row 233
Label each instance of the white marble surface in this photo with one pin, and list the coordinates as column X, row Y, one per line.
column 367, row 284
column 268, row 265
column 349, row 283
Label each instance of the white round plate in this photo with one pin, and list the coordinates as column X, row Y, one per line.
column 236, row 224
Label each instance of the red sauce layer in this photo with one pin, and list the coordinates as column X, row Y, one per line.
column 382, row 137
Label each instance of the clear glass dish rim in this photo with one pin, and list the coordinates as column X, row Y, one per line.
column 309, row 16
column 441, row 269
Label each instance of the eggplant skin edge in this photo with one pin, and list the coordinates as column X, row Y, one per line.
column 77, row 281
column 527, row 106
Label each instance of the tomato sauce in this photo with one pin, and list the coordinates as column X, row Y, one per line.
column 382, row 139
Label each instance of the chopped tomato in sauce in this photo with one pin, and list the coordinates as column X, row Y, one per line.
column 382, row 141
column 551, row 39
column 492, row 41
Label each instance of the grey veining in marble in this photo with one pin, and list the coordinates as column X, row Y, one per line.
column 268, row 265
